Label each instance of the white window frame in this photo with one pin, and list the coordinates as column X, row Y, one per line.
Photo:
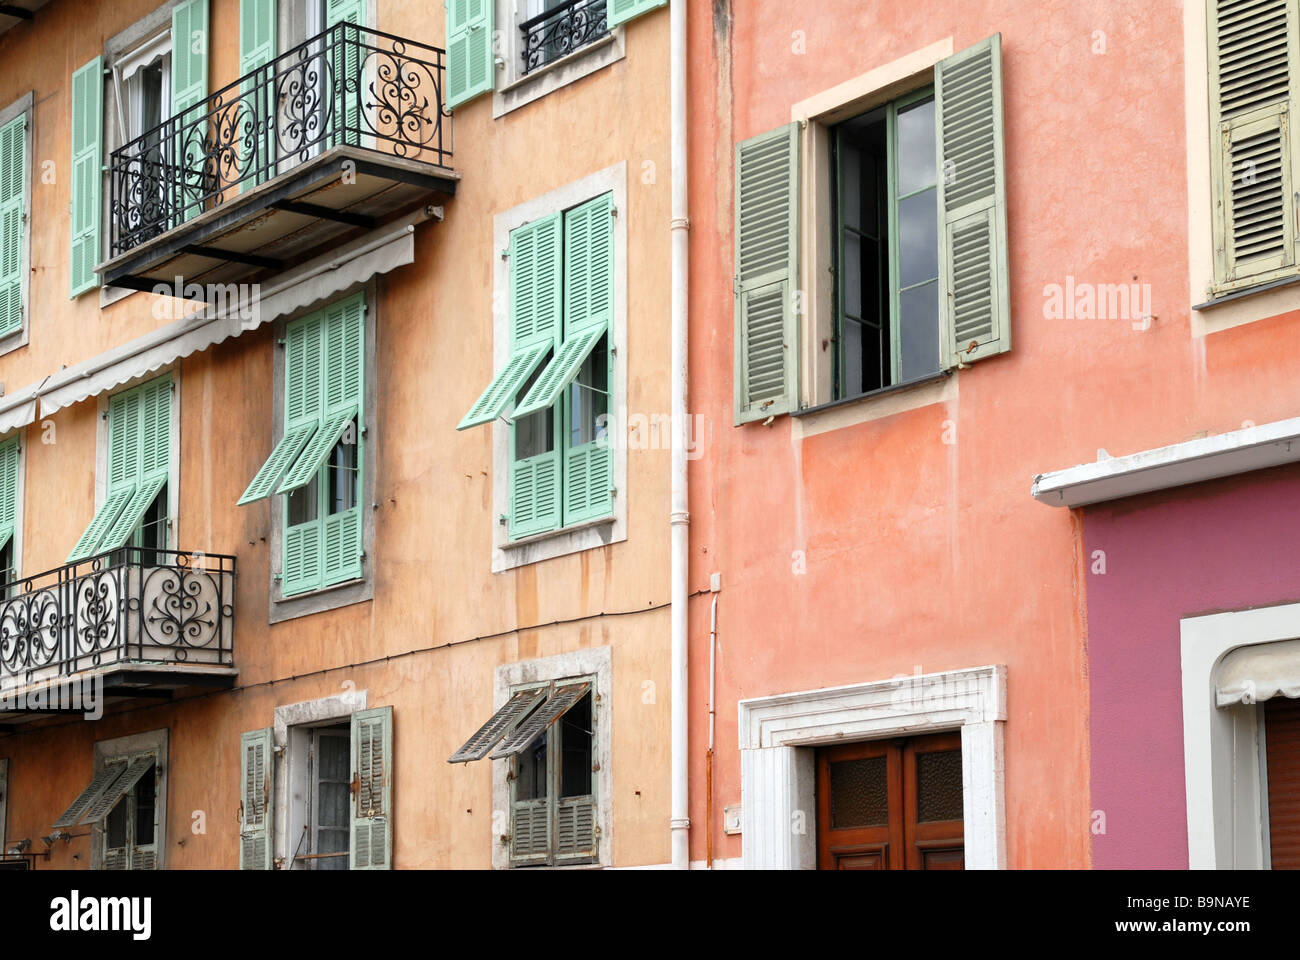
column 1223, row 748
column 595, row 663
column 292, row 735
column 154, row 742
column 514, row 89
column 778, row 778
column 507, row 554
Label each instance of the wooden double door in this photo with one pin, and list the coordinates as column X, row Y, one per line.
column 891, row 805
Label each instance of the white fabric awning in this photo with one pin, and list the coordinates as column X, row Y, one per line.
column 1257, row 673
column 300, row 287
column 18, row 409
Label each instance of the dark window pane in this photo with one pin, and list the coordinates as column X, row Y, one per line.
column 302, row 504
column 115, row 824
column 576, row 735
column 860, row 793
column 152, row 533
column 916, row 148
column 938, row 786
column 534, row 435
column 146, row 795
column 918, row 239
column 531, row 770
column 588, row 398
column 342, row 471
column 919, row 322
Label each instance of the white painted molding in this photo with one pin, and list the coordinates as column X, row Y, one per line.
column 778, row 782
column 1226, row 824
column 1207, row 458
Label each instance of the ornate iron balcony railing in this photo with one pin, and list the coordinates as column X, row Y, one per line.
column 347, row 86
column 129, row 605
column 562, row 30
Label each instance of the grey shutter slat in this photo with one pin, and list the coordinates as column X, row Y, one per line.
column 98, row 784
column 103, row 804
column 535, row 725
column 488, row 735
column 974, row 294
column 575, row 830
column 257, row 785
column 767, row 268
column 372, row 758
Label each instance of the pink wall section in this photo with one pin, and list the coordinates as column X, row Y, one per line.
column 1225, row 545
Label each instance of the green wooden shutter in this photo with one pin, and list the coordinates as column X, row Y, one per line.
column 372, row 805
column 974, row 293
column 139, row 441
column 345, row 60
column 101, row 523
column 559, row 373
column 257, row 804
column 621, row 11
column 155, row 427
column 304, row 403
column 189, row 89
column 1253, row 61
column 344, row 402
column 504, row 387
column 589, row 265
column 87, row 159
column 283, row 455
column 9, row 459
column 13, row 216
column 767, row 270
column 257, row 29
column 471, row 64
column 536, row 319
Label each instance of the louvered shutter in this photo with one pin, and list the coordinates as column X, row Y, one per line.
column 345, row 62
column 344, row 402
column 471, row 65
column 536, row 723
column 13, row 192
column 536, row 315
column 621, row 11
column 101, row 781
column 189, row 90
column 372, row 806
column 974, row 295
column 9, row 459
column 499, row 724
column 139, row 441
column 256, row 809
column 530, row 832
column 575, row 829
column 257, row 48
column 304, row 403
column 1253, row 70
column 257, row 30
column 283, row 455
column 767, row 267
column 87, row 159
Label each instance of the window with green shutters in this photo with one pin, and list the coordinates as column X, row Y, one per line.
column 10, row 460
column 317, row 464
column 1254, row 56
column 560, row 371
column 13, row 222
column 189, row 89
column 471, row 65
column 919, row 267
column 135, row 507
column 87, row 158
column 621, row 11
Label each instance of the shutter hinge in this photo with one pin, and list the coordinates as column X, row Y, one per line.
column 505, row 253
column 503, row 519
column 613, row 210
column 278, row 578
column 280, row 342
column 735, row 286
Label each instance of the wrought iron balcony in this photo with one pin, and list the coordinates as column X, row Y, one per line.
column 561, row 30
column 269, row 141
column 146, row 619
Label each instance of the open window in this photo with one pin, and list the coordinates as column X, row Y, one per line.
column 547, row 733
column 123, row 806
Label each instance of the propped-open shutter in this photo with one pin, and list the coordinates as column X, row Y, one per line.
column 1253, row 67
column 100, row 782
column 767, row 267
column 256, row 777
column 372, row 806
column 102, row 804
column 9, row 458
column 87, row 159
column 561, row 701
column 13, row 192
column 315, row 452
column 283, row 455
column 504, row 387
column 142, row 495
column 499, row 724
column 471, row 66
column 103, row 521
column 189, row 89
column 974, row 292
column 621, row 11
column 559, row 373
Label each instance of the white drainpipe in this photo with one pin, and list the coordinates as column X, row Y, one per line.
column 679, row 518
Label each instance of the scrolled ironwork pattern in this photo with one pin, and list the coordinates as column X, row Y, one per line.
column 131, row 604
column 561, row 30
column 348, row 86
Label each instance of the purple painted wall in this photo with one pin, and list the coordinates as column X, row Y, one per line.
column 1223, row 545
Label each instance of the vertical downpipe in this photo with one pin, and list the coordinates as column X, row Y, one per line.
column 679, row 519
